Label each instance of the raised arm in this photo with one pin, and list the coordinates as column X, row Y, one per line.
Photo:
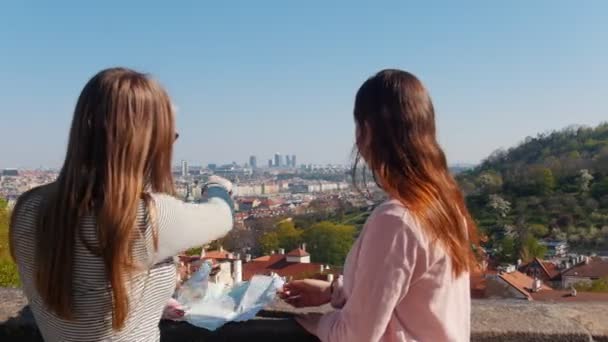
column 184, row 225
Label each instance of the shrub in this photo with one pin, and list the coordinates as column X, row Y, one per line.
column 9, row 275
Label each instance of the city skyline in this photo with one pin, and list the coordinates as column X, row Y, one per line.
column 250, row 79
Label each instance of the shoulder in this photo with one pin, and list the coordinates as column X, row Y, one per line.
column 165, row 201
column 30, row 201
column 391, row 208
column 393, row 217
column 160, row 197
column 392, row 213
column 26, row 213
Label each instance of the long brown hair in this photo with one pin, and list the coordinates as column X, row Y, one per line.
column 396, row 137
column 120, row 146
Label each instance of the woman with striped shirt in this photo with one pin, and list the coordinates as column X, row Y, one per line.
column 95, row 247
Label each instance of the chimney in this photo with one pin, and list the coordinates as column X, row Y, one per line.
column 221, row 248
column 330, row 277
column 536, row 285
column 247, row 257
column 321, row 268
column 203, row 252
column 281, row 251
column 237, row 256
column 586, row 260
column 272, row 252
column 230, row 256
column 518, row 263
column 304, row 247
column 237, row 273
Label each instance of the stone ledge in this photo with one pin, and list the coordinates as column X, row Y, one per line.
column 491, row 320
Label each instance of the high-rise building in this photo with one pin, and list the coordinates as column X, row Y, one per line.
column 10, row 173
column 184, row 168
column 277, row 160
column 269, row 162
column 293, row 161
column 253, row 162
column 288, row 161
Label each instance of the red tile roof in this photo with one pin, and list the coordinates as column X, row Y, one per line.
column 216, row 255
column 298, row 252
column 278, row 264
column 188, row 258
column 521, row 282
column 596, row 268
column 550, row 269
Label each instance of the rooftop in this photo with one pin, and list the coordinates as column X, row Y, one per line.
column 219, row 254
column 298, row 252
column 278, row 264
column 550, row 269
column 596, row 268
column 522, row 283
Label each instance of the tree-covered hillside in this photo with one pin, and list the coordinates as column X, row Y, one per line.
column 553, row 186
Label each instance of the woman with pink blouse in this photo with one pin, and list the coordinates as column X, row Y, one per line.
column 406, row 277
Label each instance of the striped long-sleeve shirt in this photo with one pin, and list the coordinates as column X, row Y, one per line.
column 180, row 226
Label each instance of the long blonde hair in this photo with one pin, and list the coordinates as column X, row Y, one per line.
column 120, row 144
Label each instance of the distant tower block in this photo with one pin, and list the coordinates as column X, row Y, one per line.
column 184, row 168
column 277, row 160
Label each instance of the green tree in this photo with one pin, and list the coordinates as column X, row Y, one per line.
column 490, row 182
column 269, row 242
column 574, row 238
column 328, row 242
column 499, row 205
column 4, row 222
column 467, row 186
column 584, row 179
column 9, row 276
column 548, row 182
column 531, row 249
column 539, row 230
column 239, row 240
column 507, row 250
column 555, row 180
column 288, row 235
column 600, row 188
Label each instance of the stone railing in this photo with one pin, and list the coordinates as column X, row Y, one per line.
column 491, row 320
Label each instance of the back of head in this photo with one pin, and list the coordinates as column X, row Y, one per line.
column 396, row 137
column 120, row 146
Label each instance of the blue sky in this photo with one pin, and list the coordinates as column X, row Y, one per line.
column 257, row 77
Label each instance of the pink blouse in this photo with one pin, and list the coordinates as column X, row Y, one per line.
column 397, row 286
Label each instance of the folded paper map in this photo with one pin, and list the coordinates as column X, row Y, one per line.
column 210, row 305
